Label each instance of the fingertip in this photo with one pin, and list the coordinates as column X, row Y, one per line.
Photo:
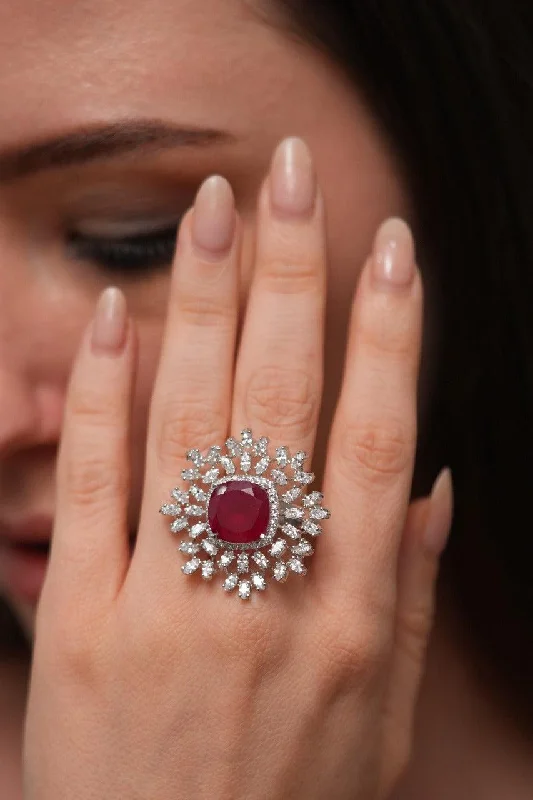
column 110, row 323
column 393, row 258
column 440, row 515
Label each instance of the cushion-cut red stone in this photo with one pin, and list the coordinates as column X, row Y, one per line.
column 239, row 511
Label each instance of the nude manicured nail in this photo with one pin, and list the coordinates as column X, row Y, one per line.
column 440, row 514
column 292, row 179
column 213, row 222
column 394, row 255
column 110, row 322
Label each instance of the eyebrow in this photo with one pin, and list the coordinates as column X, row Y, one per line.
column 95, row 142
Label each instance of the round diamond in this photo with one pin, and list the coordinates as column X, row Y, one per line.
column 239, row 511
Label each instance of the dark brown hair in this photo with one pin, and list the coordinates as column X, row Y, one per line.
column 451, row 82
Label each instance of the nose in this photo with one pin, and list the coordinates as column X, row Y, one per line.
column 20, row 420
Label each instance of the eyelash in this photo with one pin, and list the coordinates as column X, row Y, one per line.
column 130, row 255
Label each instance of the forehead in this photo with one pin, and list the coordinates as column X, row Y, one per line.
column 64, row 62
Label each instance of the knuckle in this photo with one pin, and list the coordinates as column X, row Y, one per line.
column 414, row 626
column 282, row 399
column 185, row 424
column 90, row 480
column 247, row 638
column 381, row 335
column 291, row 275
column 377, row 450
column 95, row 409
column 205, row 311
column 353, row 653
column 76, row 649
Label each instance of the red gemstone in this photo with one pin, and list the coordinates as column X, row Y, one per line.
column 239, row 511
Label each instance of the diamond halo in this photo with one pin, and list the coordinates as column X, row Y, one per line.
column 294, row 517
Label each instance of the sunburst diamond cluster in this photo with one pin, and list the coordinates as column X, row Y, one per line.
column 246, row 514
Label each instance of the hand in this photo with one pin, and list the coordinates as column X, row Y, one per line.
column 150, row 684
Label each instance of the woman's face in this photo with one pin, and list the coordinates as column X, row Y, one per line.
column 112, row 113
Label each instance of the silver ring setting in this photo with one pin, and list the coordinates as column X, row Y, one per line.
column 246, row 514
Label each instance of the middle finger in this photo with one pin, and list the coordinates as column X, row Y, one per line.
column 278, row 383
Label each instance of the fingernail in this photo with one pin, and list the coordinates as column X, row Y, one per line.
column 394, row 255
column 110, row 322
column 213, row 222
column 292, row 179
column 440, row 515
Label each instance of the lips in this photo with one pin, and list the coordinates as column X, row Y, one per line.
column 24, row 552
column 24, row 548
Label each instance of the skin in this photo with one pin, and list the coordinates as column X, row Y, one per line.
column 80, row 65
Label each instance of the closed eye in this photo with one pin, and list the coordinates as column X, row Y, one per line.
column 130, row 255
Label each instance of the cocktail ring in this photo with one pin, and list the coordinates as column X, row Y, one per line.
column 246, row 514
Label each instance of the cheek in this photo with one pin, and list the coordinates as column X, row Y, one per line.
column 149, row 338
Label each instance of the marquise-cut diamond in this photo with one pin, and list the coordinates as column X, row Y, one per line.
column 194, row 511
column 199, row 495
column 230, row 582
column 208, row 570
column 213, row 454
column 242, row 563
column 280, row 571
column 261, row 446
column 246, row 438
column 178, row 525
column 245, row 589
column 304, row 477
column 311, row 527
column 191, row 566
column 279, row 477
column 296, row 566
column 228, row 465
column 210, row 547
column 291, row 495
column 170, row 509
column 297, row 460
column 312, row 499
column 319, row 513
column 246, row 462
column 303, row 548
column 211, row 475
column 196, row 457
column 291, row 531
column 262, row 465
column 180, row 496
column 197, row 529
column 233, row 446
column 191, row 474
column 189, row 547
column 294, row 513
column 258, row 582
column 226, row 558
column 278, row 548
column 261, row 560
column 282, row 456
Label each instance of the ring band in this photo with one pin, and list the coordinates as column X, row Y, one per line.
column 246, row 514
